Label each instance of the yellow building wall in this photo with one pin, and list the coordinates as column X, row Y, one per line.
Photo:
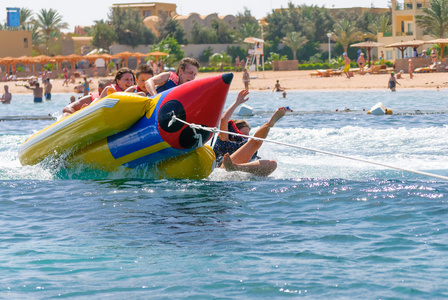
column 15, row 43
column 151, row 8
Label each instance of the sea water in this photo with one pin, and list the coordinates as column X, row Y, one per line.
column 320, row 226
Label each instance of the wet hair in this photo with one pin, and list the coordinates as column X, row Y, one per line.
column 235, row 126
column 103, row 82
column 187, row 61
column 36, row 84
column 241, row 124
column 121, row 73
column 144, row 69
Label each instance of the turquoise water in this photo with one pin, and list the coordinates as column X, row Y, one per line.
column 320, row 227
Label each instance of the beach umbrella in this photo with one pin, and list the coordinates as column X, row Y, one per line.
column 7, row 62
column 59, row 59
column 124, row 56
column 369, row 45
column 440, row 42
column 403, row 45
column 25, row 60
column 157, row 54
column 73, row 59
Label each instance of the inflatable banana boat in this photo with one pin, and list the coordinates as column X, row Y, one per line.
column 125, row 130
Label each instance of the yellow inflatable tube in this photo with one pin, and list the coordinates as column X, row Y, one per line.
column 110, row 115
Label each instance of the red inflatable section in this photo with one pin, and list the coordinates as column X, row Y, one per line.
column 203, row 101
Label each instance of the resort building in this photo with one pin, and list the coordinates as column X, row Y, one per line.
column 19, row 43
column 152, row 11
column 404, row 28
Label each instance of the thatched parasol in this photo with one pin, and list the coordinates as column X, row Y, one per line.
column 440, row 42
column 404, row 45
column 124, row 56
column 157, row 54
column 369, row 45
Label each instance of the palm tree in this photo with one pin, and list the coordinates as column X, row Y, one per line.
column 435, row 19
column 346, row 32
column 50, row 23
column 294, row 40
column 220, row 60
column 380, row 23
column 25, row 17
column 247, row 30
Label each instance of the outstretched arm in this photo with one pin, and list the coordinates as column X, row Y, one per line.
column 240, row 99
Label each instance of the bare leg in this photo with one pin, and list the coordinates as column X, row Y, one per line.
column 259, row 167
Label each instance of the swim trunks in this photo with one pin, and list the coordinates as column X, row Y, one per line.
column 37, row 99
column 48, row 96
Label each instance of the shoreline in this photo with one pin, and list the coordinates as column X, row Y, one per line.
column 299, row 80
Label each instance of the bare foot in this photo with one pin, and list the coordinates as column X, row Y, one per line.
column 228, row 163
column 277, row 116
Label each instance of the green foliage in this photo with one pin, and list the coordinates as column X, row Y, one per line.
column 205, row 56
column 314, row 66
column 246, row 17
column 224, row 33
column 50, row 23
column 168, row 26
column 313, row 21
column 103, row 35
column 220, row 60
column 276, row 57
column 316, row 58
column 247, row 26
column 129, row 27
column 171, row 46
column 202, row 35
column 337, row 61
column 294, row 40
column 49, row 67
column 207, row 69
column 26, row 18
column 435, row 19
column 235, row 51
column 346, row 32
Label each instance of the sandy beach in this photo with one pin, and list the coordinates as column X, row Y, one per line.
column 290, row 80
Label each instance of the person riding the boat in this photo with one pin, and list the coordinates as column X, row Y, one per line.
column 142, row 73
column 86, row 100
column 186, row 71
column 123, row 80
column 239, row 153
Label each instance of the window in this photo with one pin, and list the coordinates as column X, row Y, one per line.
column 25, row 42
column 389, row 54
column 147, row 13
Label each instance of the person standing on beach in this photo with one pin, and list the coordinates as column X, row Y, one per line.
column 392, row 82
column 433, row 55
column 7, row 96
column 346, row 65
column 65, row 72
column 411, row 69
column 246, row 79
column 37, row 91
column 361, row 63
column 48, row 87
column 86, row 86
